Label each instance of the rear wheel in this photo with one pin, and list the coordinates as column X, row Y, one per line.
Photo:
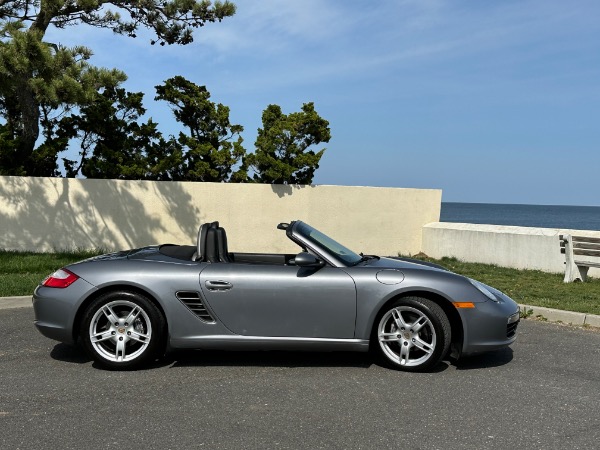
column 411, row 334
column 123, row 330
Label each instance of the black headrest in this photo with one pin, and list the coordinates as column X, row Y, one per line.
column 222, row 245
column 211, row 252
column 200, row 254
column 200, row 243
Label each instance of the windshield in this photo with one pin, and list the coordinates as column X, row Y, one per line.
column 342, row 253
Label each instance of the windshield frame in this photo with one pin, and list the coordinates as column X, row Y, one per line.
column 324, row 246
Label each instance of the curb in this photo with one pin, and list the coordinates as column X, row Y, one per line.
column 16, row 302
column 559, row 315
column 549, row 314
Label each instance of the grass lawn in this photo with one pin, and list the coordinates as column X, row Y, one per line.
column 20, row 273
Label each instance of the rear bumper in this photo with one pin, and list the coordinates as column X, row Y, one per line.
column 55, row 332
column 55, row 309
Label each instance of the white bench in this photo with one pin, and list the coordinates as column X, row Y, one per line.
column 581, row 253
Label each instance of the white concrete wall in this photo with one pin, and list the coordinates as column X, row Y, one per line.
column 507, row 246
column 43, row 214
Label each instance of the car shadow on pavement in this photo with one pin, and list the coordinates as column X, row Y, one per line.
column 69, row 353
column 191, row 358
column 215, row 358
column 74, row 354
column 485, row 360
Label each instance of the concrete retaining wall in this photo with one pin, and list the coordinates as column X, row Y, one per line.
column 43, row 214
column 518, row 247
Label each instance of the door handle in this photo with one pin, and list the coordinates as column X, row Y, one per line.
column 218, row 285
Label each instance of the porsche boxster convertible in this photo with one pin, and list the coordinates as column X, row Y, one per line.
column 131, row 307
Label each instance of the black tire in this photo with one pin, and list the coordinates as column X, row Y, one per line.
column 121, row 345
column 402, row 348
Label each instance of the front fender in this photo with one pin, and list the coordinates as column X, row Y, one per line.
column 442, row 287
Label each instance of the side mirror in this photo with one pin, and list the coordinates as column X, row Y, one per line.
column 307, row 260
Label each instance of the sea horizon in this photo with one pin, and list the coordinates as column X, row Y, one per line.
column 521, row 204
column 572, row 217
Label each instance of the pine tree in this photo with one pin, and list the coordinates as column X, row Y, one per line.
column 40, row 81
column 213, row 145
column 283, row 154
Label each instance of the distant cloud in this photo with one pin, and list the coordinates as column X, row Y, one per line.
column 270, row 26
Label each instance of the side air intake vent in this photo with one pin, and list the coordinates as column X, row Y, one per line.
column 193, row 301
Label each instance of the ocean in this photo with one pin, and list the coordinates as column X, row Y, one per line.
column 544, row 216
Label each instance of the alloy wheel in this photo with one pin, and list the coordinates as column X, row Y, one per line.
column 406, row 336
column 120, row 331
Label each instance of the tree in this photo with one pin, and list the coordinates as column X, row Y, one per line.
column 282, row 153
column 213, row 146
column 38, row 83
column 37, row 77
column 113, row 144
column 171, row 20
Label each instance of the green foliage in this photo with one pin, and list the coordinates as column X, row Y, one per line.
column 8, row 150
column 525, row 313
column 21, row 272
column 172, row 21
column 18, row 262
column 113, row 144
column 283, row 154
column 213, row 145
column 53, row 91
column 41, row 82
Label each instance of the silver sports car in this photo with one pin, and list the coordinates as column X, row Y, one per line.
column 129, row 308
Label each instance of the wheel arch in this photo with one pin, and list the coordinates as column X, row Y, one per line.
column 456, row 324
column 113, row 288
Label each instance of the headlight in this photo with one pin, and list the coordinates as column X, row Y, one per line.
column 484, row 290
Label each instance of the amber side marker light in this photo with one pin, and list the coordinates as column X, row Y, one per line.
column 464, row 304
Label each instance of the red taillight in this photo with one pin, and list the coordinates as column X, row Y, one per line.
column 60, row 279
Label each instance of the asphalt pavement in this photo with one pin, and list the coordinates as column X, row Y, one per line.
column 542, row 393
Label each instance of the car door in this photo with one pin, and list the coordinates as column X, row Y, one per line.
column 281, row 300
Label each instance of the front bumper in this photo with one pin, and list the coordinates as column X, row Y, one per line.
column 486, row 327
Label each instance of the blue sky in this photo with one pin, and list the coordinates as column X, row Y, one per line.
column 490, row 101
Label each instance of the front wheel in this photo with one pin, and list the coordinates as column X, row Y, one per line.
column 122, row 330
column 411, row 334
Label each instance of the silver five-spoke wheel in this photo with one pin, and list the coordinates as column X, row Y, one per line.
column 123, row 330
column 407, row 336
column 120, row 331
column 412, row 333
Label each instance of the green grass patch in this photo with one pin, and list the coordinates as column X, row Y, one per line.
column 531, row 287
column 21, row 272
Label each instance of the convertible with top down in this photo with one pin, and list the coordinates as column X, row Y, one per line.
column 131, row 307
